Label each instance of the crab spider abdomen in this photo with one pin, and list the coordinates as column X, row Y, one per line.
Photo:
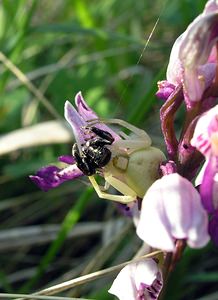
column 141, row 169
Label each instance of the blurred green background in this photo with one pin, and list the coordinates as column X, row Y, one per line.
column 54, row 49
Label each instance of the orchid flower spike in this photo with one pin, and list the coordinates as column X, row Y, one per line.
column 171, row 210
column 138, row 281
column 193, row 58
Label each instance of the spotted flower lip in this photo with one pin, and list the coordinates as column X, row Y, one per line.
column 205, row 139
column 51, row 176
column 205, row 133
column 138, row 281
column 172, row 209
column 193, row 57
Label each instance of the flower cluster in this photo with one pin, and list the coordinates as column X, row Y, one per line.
column 169, row 211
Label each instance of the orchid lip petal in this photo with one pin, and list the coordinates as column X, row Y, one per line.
column 171, row 209
column 137, row 281
column 51, row 176
column 206, row 128
column 205, row 140
column 208, row 185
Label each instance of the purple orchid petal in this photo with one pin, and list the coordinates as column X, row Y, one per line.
column 205, row 139
column 207, row 71
column 67, row 159
column 205, row 130
column 83, row 109
column 209, row 185
column 211, row 6
column 165, row 89
column 175, row 68
column 193, row 57
column 51, row 176
column 88, row 115
column 195, row 49
column 76, row 122
column 213, row 228
column 70, row 173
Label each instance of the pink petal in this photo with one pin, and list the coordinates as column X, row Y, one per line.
column 171, row 209
column 140, row 280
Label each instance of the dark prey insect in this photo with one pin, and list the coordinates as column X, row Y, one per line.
column 95, row 154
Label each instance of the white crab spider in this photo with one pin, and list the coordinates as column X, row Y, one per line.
column 133, row 166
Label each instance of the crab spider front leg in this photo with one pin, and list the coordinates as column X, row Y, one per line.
column 137, row 131
column 128, row 194
column 139, row 141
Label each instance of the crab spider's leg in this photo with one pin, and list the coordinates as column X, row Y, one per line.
column 139, row 132
column 139, row 141
column 115, row 183
column 106, row 186
column 123, row 135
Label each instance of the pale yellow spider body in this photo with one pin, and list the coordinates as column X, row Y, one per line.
column 133, row 167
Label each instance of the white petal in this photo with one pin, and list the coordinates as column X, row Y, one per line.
column 123, row 286
column 153, row 227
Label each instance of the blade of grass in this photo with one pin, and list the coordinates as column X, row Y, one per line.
column 92, row 276
column 70, row 220
column 14, row 41
column 5, row 295
column 145, row 104
column 4, row 282
column 31, row 87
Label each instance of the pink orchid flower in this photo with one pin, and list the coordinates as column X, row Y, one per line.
column 192, row 63
column 138, row 281
column 172, row 209
column 205, row 139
